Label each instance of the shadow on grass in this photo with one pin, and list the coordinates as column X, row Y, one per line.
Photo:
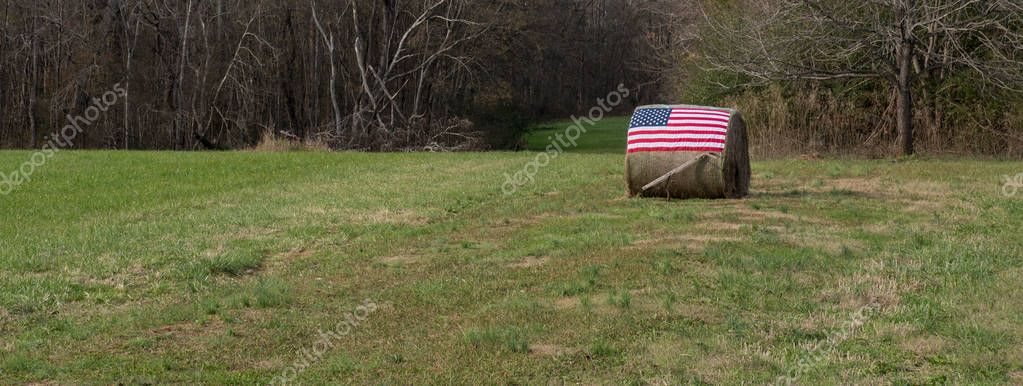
column 799, row 193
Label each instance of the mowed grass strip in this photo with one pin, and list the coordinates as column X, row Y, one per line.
column 138, row 267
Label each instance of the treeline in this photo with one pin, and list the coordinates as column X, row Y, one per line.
column 372, row 75
column 830, row 76
column 880, row 78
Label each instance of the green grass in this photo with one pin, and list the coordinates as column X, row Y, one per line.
column 606, row 136
column 144, row 267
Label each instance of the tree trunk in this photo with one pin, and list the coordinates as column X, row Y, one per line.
column 333, row 90
column 290, row 79
column 180, row 120
column 33, row 76
column 904, row 104
column 329, row 42
column 904, row 83
column 129, row 50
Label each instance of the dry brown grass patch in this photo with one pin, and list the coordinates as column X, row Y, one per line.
column 665, row 353
column 713, row 368
column 717, row 225
column 281, row 260
column 114, row 281
column 390, row 216
column 529, row 262
column 176, row 334
column 858, row 185
column 913, row 195
column 691, row 242
column 296, row 253
column 924, row 345
column 704, row 313
column 832, row 244
column 272, row 142
column 319, row 210
column 270, row 364
column 566, row 303
column 5, row 320
column 879, row 287
column 402, row 259
column 1016, row 377
column 923, row 188
column 597, row 303
column 550, row 350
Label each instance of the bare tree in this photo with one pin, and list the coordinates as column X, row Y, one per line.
column 130, row 24
column 180, row 120
column 891, row 40
column 328, row 41
column 396, row 59
column 221, row 73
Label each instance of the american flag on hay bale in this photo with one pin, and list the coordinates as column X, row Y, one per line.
column 686, row 151
column 679, row 129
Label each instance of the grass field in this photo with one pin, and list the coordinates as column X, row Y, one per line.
column 607, row 137
column 146, row 267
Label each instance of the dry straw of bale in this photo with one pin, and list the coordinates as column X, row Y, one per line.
column 707, row 175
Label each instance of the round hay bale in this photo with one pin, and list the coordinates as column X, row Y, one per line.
column 684, row 151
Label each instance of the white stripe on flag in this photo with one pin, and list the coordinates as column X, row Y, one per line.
column 692, row 111
column 676, row 144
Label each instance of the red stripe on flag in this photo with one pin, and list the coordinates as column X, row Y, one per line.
column 677, row 140
column 698, row 119
column 704, row 125
column 700, row 116
column 661, row 132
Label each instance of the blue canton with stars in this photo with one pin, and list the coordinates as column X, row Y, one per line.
column 656, row 117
